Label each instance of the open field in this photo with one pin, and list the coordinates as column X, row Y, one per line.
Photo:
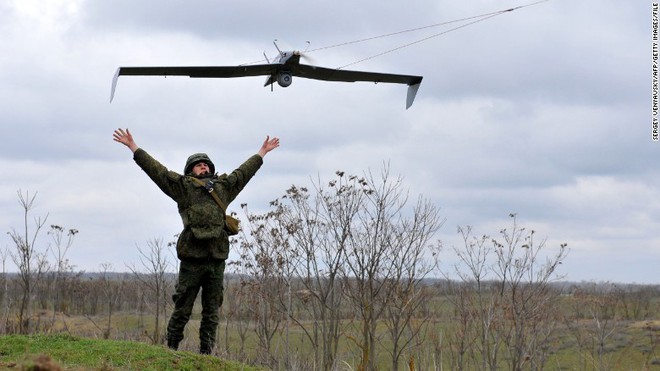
column 629, row 345
column 265, row 323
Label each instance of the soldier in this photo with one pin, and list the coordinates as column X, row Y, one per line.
column 203, row 245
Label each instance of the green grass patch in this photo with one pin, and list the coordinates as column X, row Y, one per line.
column 74, row 353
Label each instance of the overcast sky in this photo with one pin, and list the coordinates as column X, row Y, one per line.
column 544, row 112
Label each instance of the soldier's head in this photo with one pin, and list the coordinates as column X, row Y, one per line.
column 199, row 164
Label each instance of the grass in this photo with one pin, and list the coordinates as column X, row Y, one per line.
column 48, row 352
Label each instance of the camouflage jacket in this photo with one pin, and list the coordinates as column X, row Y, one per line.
column 203, row 236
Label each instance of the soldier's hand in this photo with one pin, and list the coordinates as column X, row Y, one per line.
column 125, row 138
column 269, row 145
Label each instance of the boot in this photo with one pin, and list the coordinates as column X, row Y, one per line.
column 205, row 349
column 173, row 343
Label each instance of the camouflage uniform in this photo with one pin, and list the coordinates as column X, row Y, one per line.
column 203, row 245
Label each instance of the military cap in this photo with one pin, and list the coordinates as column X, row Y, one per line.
column 197, row 158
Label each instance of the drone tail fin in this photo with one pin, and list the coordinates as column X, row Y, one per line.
column 412, row 93
column 270, row 81
column 114, row 84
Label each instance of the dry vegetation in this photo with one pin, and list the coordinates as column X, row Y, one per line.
column 344, row 276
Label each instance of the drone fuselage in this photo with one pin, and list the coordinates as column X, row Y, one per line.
column 284, row 77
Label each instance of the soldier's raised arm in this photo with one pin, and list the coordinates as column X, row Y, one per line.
column 125, row 138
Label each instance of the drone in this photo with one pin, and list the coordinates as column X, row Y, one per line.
column 281, row 70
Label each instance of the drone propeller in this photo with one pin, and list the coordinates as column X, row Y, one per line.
column 306, row 57
column 302, row 54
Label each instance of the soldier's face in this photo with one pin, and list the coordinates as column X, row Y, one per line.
column 201, row 168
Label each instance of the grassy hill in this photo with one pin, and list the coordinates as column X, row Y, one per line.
column 65, row 352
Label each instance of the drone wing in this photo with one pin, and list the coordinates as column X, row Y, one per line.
column 201, row 72
column 329, row 74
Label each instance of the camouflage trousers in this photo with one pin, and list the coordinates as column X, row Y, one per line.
column 193, row 276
